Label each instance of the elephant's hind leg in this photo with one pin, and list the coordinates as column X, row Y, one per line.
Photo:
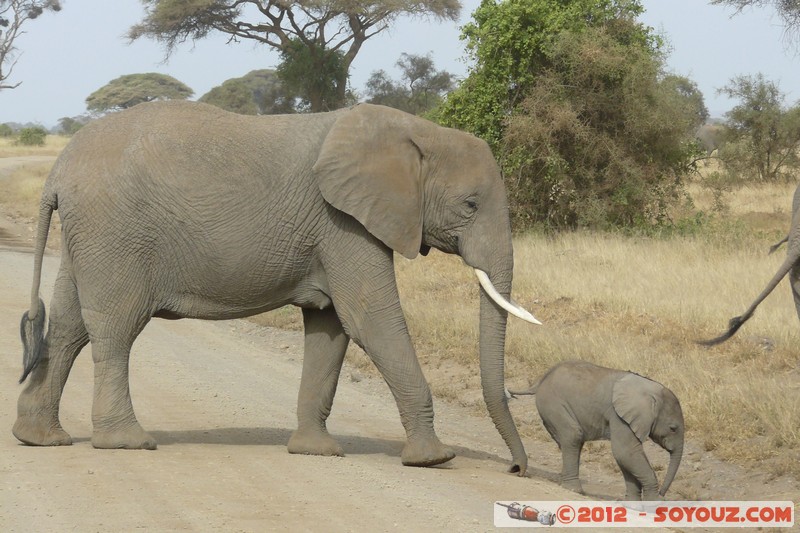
column 325, row 346
column 37, row 408
column 566, row 431
column 112, row 334
column 571, row 459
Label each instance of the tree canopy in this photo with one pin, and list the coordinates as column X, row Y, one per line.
column 259, row 92
column 573, row 97
column 315, row 37
column 788, row 10
column 509, row 42
column 71, row 125
column 421, row 87
column 14, row 14
column 131, row 89
column 762, row 134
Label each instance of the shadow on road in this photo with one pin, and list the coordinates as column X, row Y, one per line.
column 352, row 445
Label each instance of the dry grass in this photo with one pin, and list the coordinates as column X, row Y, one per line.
column 52, row 146
column 627, row 302
column 639, row 305
column 21, row 186
column 21, row 189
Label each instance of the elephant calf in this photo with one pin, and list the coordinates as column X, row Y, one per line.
column 580, row 402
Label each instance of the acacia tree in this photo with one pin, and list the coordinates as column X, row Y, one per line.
column 13, row 16
column 71, row 125
column 762, row 134
column 131, row 89
column 421, row 87
column 313, row 36
column 259, row 92
column 788, row 10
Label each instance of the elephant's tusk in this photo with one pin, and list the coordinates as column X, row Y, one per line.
column 511, row 306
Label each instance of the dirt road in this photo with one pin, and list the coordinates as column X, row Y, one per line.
column 220, row 398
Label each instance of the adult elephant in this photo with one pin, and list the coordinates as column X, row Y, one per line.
column 790, row 265
column 182, row 210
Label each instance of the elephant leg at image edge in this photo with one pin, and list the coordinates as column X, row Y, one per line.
column 794, row 279
column 37, row 408
column 325, row 347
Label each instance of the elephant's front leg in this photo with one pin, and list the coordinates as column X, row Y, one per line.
column 633, row 489
column 325, row 346
column 364, row 292
column 641, row 482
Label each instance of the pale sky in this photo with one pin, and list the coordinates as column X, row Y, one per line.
column 68, row 55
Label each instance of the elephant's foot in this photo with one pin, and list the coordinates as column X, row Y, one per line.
column 573, row 485
column 39, row 431
column 314, row 442
column 426, row 452
column 130, row 438
column 648, row 496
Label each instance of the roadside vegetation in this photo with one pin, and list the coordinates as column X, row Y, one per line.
column 633, row 240
column 53, row 144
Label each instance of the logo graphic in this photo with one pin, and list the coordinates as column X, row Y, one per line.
column 683, row 514
column 529, row 514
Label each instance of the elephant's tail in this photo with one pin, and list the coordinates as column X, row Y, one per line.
column 774, row 247
column 31, row 327
column 737, row 321
column 532, row 390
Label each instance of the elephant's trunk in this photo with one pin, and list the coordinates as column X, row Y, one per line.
column 674, row 462
column 492, row 354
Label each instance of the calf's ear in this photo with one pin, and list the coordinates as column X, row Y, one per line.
column 637, row 401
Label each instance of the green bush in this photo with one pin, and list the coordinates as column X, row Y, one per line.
column 602, row 139
column 6, row 131
column 32, row 136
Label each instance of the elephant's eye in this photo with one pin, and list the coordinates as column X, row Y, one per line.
column 472, row 205
column 673, row 428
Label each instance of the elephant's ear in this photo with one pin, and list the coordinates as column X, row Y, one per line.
column 637, row 401
column 369, row 167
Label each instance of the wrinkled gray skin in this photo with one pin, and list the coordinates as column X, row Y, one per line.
column 790, row 265
column 581, row 402
column 181, row 210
